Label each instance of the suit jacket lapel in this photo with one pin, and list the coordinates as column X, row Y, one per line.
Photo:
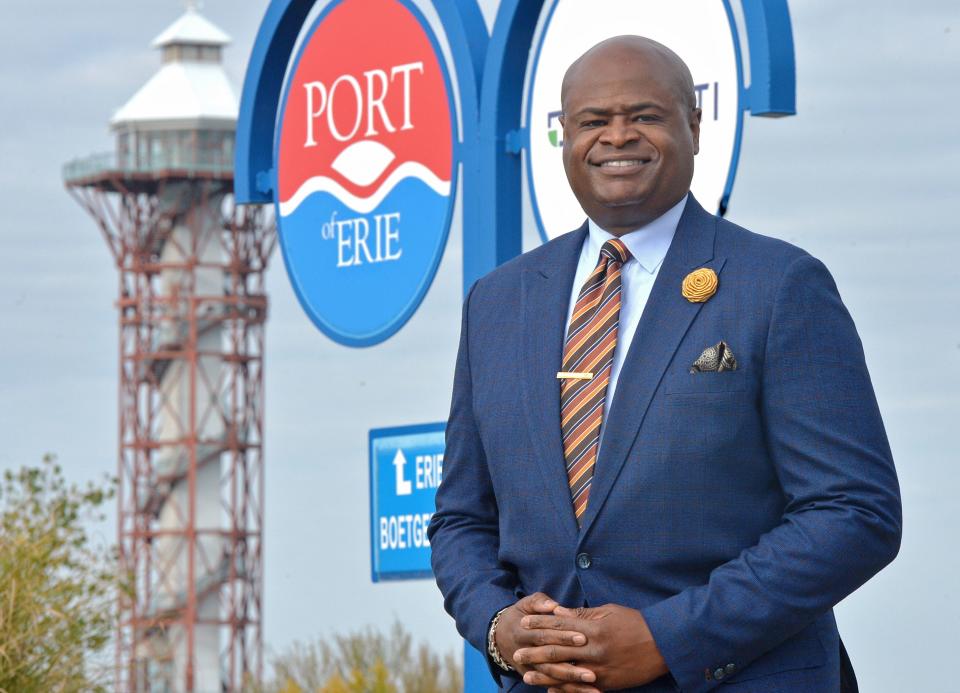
column 545, row 299
column 665, row 320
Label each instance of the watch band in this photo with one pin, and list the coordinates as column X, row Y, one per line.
column 492, row 649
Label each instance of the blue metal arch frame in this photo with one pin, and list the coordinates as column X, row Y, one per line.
column 773, row 72
column 490, row 79
column 772, row 93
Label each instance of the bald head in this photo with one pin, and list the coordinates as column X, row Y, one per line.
column 632, row 53
column 631, row 129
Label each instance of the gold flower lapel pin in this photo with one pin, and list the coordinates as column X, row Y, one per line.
column 699, row 285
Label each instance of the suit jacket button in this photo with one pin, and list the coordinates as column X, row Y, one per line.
column 583, row 560
column 730, row 668
column 719, row 674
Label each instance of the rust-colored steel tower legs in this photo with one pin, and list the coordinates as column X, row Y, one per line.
column 192, row 309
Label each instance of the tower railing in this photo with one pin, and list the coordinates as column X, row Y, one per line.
column 188, row 162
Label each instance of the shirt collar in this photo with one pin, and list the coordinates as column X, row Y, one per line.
column 648, row 244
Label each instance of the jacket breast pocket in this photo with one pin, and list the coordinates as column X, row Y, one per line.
column 706, row 383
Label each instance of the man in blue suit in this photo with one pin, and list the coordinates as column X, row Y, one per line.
column 665, row 463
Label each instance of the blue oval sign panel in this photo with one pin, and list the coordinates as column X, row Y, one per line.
column 366, row 168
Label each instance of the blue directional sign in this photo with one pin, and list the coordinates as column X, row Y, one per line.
column 406, row 466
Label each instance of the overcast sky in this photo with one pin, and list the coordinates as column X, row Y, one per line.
column 864, row 177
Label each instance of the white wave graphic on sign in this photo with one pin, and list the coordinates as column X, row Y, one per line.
column 363, row 162
column 365, row 205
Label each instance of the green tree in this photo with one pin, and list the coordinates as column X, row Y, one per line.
column 364, row 661
column 56, row 587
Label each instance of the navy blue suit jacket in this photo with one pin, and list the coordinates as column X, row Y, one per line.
column 733, row 509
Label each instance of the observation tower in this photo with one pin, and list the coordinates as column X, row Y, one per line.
column 192, row 310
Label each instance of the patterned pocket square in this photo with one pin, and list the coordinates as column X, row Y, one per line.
column 715, row 359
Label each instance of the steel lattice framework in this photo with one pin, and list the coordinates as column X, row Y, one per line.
column 192, row 311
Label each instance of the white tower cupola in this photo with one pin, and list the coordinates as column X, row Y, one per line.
column 185, row 116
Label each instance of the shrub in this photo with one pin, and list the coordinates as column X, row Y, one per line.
column 364, row 661
column 56, row 589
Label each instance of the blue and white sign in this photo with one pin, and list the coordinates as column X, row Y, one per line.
column 366, row 168
column 406, row 467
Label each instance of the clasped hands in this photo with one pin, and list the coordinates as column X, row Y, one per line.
column 578, row 650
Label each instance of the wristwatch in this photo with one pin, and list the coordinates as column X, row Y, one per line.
column 492, row 649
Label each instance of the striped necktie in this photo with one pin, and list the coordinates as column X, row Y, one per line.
column 587, row 361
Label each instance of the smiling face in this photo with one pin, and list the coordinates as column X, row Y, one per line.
column 630, row 132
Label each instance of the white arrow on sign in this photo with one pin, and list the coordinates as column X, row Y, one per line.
column 404, row 487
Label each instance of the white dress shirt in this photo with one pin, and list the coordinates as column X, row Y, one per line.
column 648, row 246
